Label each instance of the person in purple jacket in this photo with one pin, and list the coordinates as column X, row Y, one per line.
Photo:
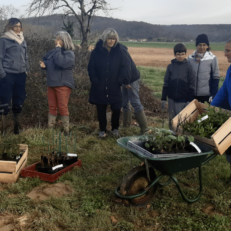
column 223, row 97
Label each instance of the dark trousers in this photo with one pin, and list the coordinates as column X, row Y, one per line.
column 202, row 99
column 12, row 87
column 102, row 117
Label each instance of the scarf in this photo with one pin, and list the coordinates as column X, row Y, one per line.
column 19, row 38
column 199, row 56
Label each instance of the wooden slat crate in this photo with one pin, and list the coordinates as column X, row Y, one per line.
column 220, row 141
column 10, row 170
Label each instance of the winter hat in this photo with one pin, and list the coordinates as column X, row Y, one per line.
column 14, row 21
column 202, row 38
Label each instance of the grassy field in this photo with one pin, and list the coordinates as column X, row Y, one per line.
column 218, row 46
column 154, row 78
column 93, row 202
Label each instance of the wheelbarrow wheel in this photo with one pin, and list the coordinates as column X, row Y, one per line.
column 136, row 182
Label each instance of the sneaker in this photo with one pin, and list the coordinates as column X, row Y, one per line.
column 115, row 133
column 102, row 134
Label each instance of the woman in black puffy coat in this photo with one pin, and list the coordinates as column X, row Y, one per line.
column 108, row 68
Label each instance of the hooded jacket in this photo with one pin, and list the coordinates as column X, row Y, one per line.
column 59, row 64
column 223, row 97
column 207, row 74
column 13, row 57
column 107, row 72
column 179, row 81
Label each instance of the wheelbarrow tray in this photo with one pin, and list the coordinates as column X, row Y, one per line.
column 173, row 164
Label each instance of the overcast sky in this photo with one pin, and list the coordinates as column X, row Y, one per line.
column 162, row 11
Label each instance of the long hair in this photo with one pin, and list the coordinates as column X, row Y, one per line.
column 66, row 38
column 109, row 33
column 11, row 23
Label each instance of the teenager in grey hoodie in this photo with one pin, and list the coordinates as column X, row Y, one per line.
column 13, row 71
column 205, row 66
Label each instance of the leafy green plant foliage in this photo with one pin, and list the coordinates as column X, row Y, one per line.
column 209, row 126
column 164, row 140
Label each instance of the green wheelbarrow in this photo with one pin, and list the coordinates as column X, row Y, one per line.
column 140, row 184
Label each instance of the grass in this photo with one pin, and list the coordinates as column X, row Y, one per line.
column 154, row 78
column 216, row 46
column 93, row 203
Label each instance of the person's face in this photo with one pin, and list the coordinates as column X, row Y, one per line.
column 202, row 47
column 180, row 56
column 228, row 51
column 59, row 41
column 111, row 42
column 17, row 28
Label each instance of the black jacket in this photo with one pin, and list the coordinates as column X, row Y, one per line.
column 135, row 73
column 179, row 81
column 59, row 64
column 107, row 72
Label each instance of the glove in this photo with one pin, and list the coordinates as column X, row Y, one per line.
column 163, row 104
column 210, row 99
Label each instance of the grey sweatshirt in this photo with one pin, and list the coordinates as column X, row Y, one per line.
column 13, row 57
column 206, row 74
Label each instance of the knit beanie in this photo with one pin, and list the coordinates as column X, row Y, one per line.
column 202, row 38
column 14, row 21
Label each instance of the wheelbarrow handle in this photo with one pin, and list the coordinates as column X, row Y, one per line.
column 209, row 158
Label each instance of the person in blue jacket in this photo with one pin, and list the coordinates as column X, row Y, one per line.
column 58, row 64
column 223, row 97
column 109, row 67
column 14, row 67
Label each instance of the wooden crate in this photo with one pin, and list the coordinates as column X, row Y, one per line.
column 10, row 170
column 220, row 141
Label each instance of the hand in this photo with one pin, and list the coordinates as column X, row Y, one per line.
column 163, row 104
column 57, row 44
column 210, row 99
column 128, row 86
column 42, row 64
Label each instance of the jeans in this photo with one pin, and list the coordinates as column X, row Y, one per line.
column 58, row 97
column 102, row 117
column 132, row 96
column 12, row 87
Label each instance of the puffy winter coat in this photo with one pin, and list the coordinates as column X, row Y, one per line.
column 207, row 74
column 223, row 97
column 13, row 57
column 107, row 72
column 59, row 64
column 179, row 81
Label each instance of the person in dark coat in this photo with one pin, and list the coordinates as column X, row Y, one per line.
column 131, row 96
column 13, row 72
column 109, row 67
column 179, row 83
column 58, row 64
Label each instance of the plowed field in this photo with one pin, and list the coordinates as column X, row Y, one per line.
column 161, row 57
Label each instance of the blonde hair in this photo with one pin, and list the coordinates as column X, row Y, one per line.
column 66, row 38
column 109, row 33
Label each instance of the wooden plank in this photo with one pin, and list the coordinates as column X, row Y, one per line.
column 7, row 178
column 22, row 147
column 7, row 166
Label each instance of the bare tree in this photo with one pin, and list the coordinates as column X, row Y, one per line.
column 82, row 10
column 8, row 11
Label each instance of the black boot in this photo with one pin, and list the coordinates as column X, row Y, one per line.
column 17, row 123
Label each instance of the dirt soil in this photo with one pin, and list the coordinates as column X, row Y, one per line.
column 161, row 57
column 45, row 191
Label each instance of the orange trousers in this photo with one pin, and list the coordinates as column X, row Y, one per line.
column 58, row 98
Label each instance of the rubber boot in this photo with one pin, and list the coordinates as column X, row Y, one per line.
column 127, row 119
column 65, row 122
column 17, row 123
column 5, row 124
column 142, row 121
column 51, row 120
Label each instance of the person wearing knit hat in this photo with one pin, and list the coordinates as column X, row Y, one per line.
column 14, row 67
column 205, row 65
